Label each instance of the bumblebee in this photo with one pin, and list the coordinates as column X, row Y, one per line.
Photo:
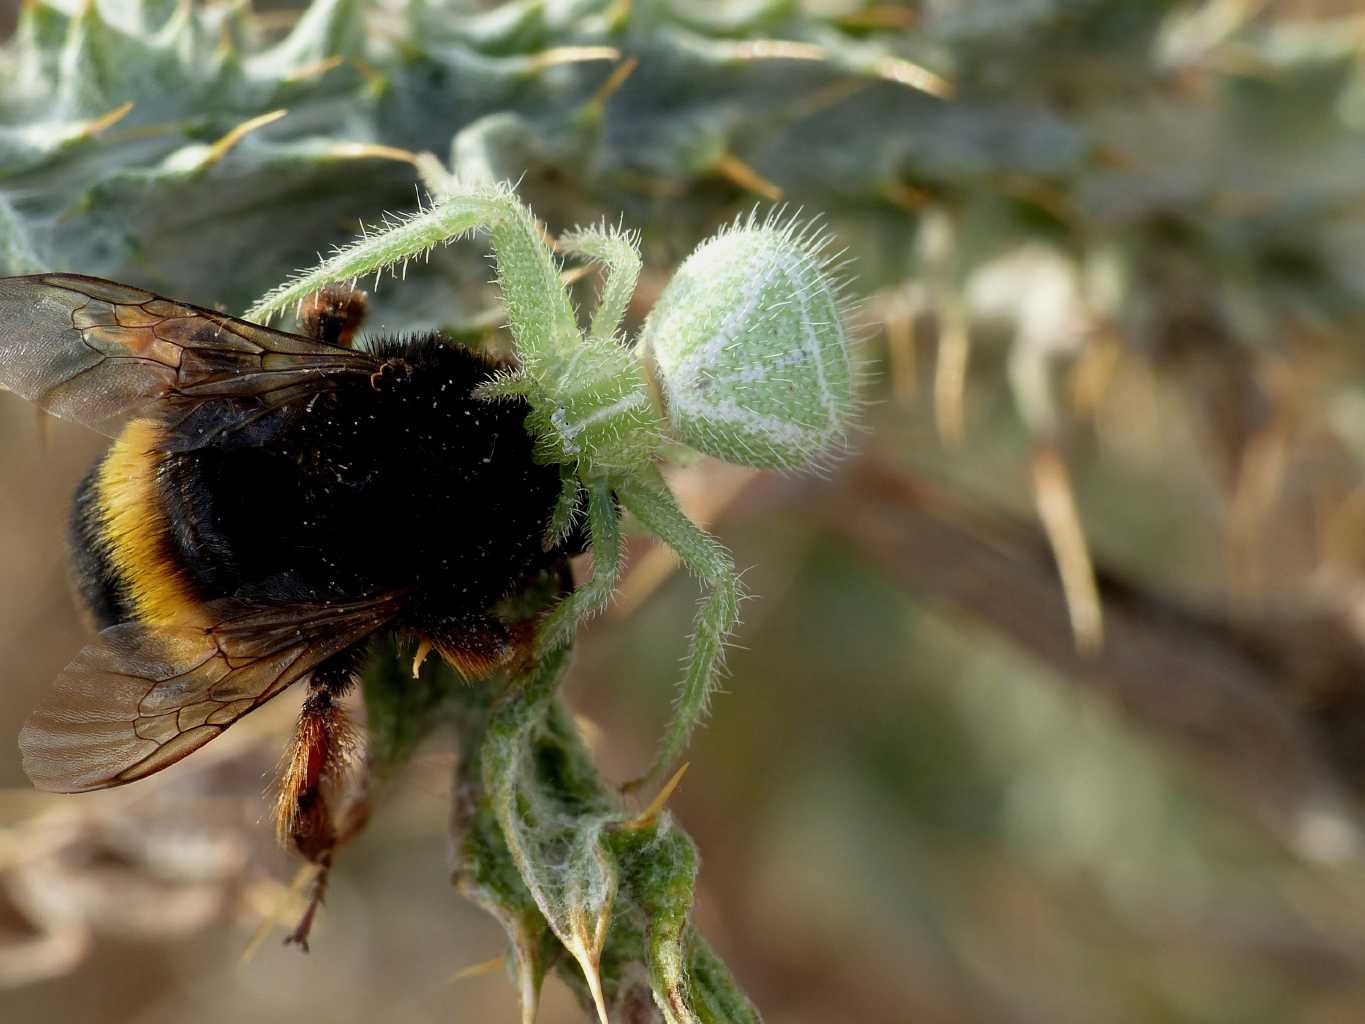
column 271, row 502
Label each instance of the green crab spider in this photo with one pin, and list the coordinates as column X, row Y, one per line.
column 745, row 357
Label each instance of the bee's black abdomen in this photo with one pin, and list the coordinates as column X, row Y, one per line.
column 93, row 575
column 401, row 482
column 190, row 504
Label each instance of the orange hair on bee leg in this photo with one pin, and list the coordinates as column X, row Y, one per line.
column 319, row 757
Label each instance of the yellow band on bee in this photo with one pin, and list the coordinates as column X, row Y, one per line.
column 137, row 532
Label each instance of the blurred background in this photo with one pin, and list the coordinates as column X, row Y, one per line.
column 1050, row 703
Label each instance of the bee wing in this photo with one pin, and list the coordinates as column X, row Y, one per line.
column 139, row 699
column 100, row 353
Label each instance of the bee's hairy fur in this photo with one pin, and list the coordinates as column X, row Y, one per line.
column 402, row 481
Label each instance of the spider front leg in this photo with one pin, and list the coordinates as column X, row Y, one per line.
column 619, row 252
column 652, row 503
column 604, row 530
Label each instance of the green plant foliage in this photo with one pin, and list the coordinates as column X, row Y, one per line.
column 549, row 850
column 1091, row 138
column 111, row 196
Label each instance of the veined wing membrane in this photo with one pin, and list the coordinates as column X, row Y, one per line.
column 101, row 353
column 139, row 699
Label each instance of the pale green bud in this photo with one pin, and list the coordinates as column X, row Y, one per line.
column 749, row 348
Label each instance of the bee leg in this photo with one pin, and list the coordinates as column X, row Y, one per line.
column 333, row 314
column 316, row 894
column 324, row 742
column 350, row 822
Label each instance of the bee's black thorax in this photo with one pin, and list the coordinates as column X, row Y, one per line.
column 402, row 481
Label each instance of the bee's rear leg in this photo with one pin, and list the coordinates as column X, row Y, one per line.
column 320, row 757
column 353, row 817
column 333, row 314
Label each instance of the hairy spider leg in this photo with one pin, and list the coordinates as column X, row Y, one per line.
column 564, row 517
column 604, row 527
column 619, row 253
column 653, row 504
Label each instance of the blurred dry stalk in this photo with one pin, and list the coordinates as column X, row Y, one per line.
column 1231, row 695
column 155, row 863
